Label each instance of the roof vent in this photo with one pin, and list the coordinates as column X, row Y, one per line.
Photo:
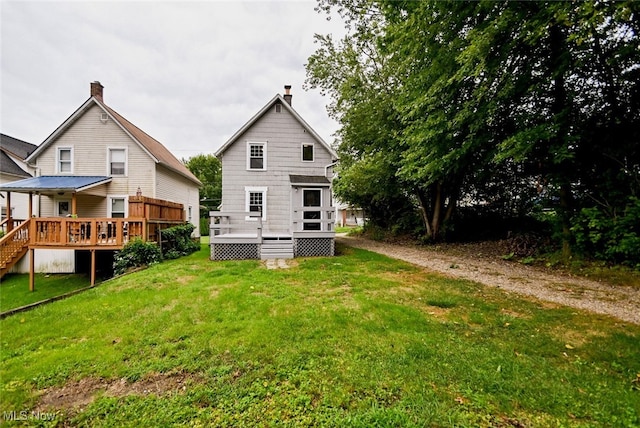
column 104, row 117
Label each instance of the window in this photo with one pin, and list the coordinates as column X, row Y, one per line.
column 117, row 207
column 65, row 160
column 3, row 212
column 117, row 161
column 278, row 108
column 311, row 198
column 256, row 201
column 307, row 152
column 190, row 214
column 256, row 156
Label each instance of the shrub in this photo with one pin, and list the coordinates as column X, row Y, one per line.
column 204, row 226
column 614, row 238
column 177, row 242
column 134, row 254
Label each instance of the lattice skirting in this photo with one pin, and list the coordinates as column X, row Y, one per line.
column 313, row 247
column 235, row 251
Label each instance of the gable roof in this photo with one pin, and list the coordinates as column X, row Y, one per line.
column 17, row 148
column 8, row 166
column 278, row 98
column 159, row 153
column 12, row 147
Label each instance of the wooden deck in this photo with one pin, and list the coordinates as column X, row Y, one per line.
column 148, row 216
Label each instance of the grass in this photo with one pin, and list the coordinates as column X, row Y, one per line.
column 357, row 340
column 14, row 290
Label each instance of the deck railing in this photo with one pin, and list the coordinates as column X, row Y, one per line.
column 235, row 222
column 86, row 232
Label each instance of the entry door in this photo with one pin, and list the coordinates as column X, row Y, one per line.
column 63, row 207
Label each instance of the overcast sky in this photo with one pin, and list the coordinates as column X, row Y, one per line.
column 189, row 74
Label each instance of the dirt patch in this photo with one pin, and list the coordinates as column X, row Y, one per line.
column 74, row 396
column 483, row 263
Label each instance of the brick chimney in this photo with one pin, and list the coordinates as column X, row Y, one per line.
column 96, row 90
column 287, row 94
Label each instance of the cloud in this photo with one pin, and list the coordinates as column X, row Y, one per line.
column 188, row 73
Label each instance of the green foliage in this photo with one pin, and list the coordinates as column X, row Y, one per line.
column 177, row 242
column 208, row 169
column 134, row 254
column 609, row 236
column 204, row 225
column 489, row 103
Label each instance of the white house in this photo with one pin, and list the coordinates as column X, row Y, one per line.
column 91, row 167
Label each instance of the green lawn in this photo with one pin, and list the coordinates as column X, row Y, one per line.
column 354, row 340
column 14, row 290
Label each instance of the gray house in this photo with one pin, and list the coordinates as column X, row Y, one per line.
column 276, row 189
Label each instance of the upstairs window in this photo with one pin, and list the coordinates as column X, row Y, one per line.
column 307, row 152
column 65, row 160
column 117, row 162
column 257, row 156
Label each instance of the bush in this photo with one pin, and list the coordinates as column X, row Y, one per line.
column 614, row 238
column 204, row 226
column 134, row 254
column 177, row 242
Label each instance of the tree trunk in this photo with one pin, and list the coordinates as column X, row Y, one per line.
column 424, row 212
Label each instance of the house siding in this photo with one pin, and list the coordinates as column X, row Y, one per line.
column 175, row 188
column 90, row 139
column 284, row 136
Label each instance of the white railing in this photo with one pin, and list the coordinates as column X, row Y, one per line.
column 323, row 224
column 235, row 223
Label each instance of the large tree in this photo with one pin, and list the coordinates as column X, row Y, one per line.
column 452, row 92
column 208, row 170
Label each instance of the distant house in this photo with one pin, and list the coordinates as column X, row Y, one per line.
column 276, row 188
column 93, row 168
column 13, row 167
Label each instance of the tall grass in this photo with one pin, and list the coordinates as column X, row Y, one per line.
column 354, row 340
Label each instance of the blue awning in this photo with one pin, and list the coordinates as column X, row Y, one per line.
column 55, row 183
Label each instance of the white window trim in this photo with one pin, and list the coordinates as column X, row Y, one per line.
column 264, row 155
column 313, row 147
column 70, row 148
column 126, row 161
column 251, row 189
column 126, row 204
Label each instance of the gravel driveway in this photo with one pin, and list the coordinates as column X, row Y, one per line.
column 621, row 302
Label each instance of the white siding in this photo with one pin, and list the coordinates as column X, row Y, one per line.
column 173, row 187
column 48, row 261
column 284, row 136
column 90, row 138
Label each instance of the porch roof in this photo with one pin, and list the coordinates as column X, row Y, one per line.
column 309, row 180
column 55, row 183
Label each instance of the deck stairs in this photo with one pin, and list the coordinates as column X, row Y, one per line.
column 13, row 246
column 276, row 248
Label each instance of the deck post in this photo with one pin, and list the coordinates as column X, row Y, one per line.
column 32, row 268
column 9, row 218
column 93, row 267
column 30, row 204
column 74, row 204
